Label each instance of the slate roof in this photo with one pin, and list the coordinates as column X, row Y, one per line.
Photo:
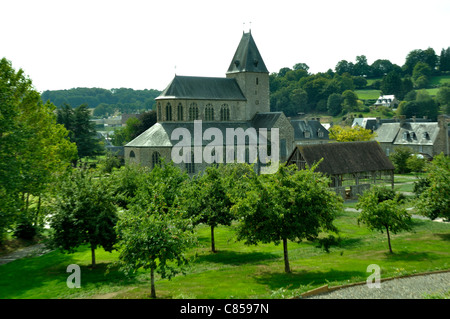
column 345, row 158
column 202, row 88
column 313, row 127
column 247, row 57
column 265, row 119
column 408, row 133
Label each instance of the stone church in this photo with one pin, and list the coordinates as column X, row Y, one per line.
column 192, row 107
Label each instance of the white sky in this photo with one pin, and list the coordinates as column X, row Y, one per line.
column 63, row 44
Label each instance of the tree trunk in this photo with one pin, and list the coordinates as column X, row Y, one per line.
column 93, row 255
column 36, row 217
column 152, row 282
column 213, row 246
column 286, row 259
column 389, row 240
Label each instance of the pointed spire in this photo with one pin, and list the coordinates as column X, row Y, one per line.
column 247, row 57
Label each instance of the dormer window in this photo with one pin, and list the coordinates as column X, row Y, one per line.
column 406, row 135
column 320, row 133
column 426, row 135
column 307, row 134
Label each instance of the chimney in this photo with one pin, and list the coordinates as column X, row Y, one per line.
column 402, row 120
column 414, row 118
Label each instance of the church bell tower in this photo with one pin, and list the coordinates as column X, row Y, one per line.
column 252, row 76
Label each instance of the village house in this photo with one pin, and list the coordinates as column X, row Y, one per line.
column 429, row 138
column 309, row 131
column 387, row 100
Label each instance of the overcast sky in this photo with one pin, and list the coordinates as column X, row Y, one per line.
column 137, row 44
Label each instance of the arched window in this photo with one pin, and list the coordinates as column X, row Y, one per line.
column 209, row 112
column 132, row 155
column 190, row 167
column 168, row 112
column 155, row 159
column 180, row 112
column 224, row 113
column 193, row 112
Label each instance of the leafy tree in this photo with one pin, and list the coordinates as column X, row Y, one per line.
column 350, row 134
column 134, row 127
column 399, row 159
column 288, row 205
column 334, row 104
column 381, row 211
column 207, row 200
column 443, row 97
column 434, row 200
column 127, row 181
column 32, row 146
column 444, row 60
column 423, row 105
column 350, row 101
column 381, row 67
column 344, row 66
column 82, row 130
column 415, row 163
column 154, row 232
column 301, row 66
column 361, row 66
column 83, row 212
column 391, row 84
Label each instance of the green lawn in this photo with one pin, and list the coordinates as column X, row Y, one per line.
column 368, row 94
column 239, row 271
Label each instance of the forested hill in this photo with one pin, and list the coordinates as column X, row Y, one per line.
column 103, row 101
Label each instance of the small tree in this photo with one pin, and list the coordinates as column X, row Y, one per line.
column 288, row 205
column 207, row 200
column 83, row 213
column 153, row 232
column 434, row 200
column 381, row 211
column 399, row 159
column 350, row 134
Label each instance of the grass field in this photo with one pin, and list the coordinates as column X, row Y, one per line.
column 237, row 270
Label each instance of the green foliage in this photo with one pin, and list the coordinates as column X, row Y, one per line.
column 154, row 232
column 109, row 163
column 207, row 200
column 423, row 105
column 288, row 205
column 126, row 183
column 134, row 127
column 82, row 130
column 104, row 101
column 32, row 145
column 350, row 134
column 25, row 228
column 416, row 163
column 380, row 211
column 350, row 101
column 444, row 60
column 399, row 159
column 434, row 200
column 443, row 97
column 83, row 212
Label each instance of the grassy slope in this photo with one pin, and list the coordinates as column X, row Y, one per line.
column 239, row 271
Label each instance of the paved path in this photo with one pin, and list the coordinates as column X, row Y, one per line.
column 30, row 251
column 414, row 287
